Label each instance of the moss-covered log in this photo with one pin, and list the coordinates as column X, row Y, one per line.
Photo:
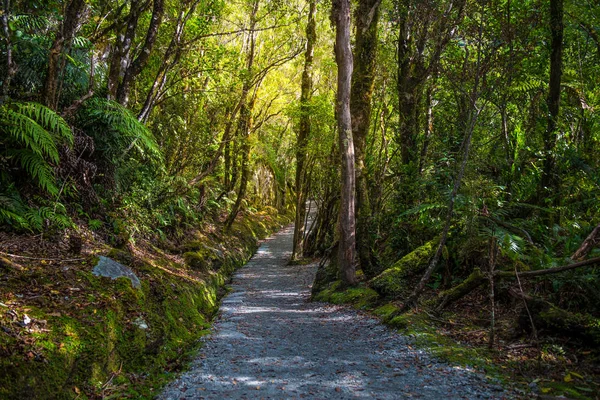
column 396, row 282
column 476, row 279
column 547, row 317
column 449, row 296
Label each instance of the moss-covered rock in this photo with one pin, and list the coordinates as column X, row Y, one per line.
column 386, row 312
column 360, row 297
column 396, row 282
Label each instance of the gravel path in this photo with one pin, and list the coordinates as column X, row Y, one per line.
column 271, row 343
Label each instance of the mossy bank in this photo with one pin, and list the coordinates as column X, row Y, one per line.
column 66, row 333
column 438, row 336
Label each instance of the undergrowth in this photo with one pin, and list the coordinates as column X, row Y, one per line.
column 460, row 341
column 67, row 333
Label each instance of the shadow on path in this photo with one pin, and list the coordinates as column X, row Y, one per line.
column 270, row 342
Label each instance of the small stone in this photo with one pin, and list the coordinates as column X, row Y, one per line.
column 140, row 323
column 111, row 269
column 534, row 387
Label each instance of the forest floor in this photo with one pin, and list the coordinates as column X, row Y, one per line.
column 69, row 334
column 270, row 341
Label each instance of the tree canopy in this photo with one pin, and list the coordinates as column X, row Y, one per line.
column 468, row 125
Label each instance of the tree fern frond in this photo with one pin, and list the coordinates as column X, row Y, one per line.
column 37, row 168
column 34, row 219
column 48, row 119
column 32, row 133
column 9, row 217
column 29, row 22
column 127, row 131
column 423, row 208
column 509, row 242
column 12, row 209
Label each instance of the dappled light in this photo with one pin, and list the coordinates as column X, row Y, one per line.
column 270, row 341
column 434, row 165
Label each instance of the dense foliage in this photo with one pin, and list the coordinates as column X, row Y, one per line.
column 123, row 111
column 475, row 127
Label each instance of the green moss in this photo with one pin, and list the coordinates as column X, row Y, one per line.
column 398, row 322
column 193, row 245
column 451, row 295
column 395, row 281
column 196, row 261
column 386, row 311
column 325, row 294
column 360, row 297
column 95, row 347
column 566, row 389
column 578, row 325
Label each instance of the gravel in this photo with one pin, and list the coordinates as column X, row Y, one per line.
column 270, row 342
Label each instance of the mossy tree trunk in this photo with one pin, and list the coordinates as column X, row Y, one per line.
column 421, row 24
column 10, row 65
column 449, row 296
column 347, row 217
column 120, row 52
column 363, row 77
column 56, row 60
column 550, row 180
column 470, row 123
column 135, row 68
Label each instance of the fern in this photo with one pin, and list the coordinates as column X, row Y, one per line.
column 31, row 135
column 29, row 22
column 510, row 243
column 12, row 209
column 17, row 215
column 423, row 208
column 118, row 128
column 37, row 168
column 54, row 215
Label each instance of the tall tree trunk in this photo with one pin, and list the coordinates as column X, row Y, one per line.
column 408, row 102
column 428, row 128
column 346, row 222
column 170, row 58
column 56, row 59
column 549, row 181
column 227, row 165
column 11, row 67
column 363, row 77
column 303, row 134
column 120, row 53
column 225, row 139
column 245, row 120
column 422, row 25
column 470, row 127
column 472, row 115
column 136, row 67
column 410, row 78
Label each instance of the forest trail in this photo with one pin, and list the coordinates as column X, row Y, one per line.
column 270, row 342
